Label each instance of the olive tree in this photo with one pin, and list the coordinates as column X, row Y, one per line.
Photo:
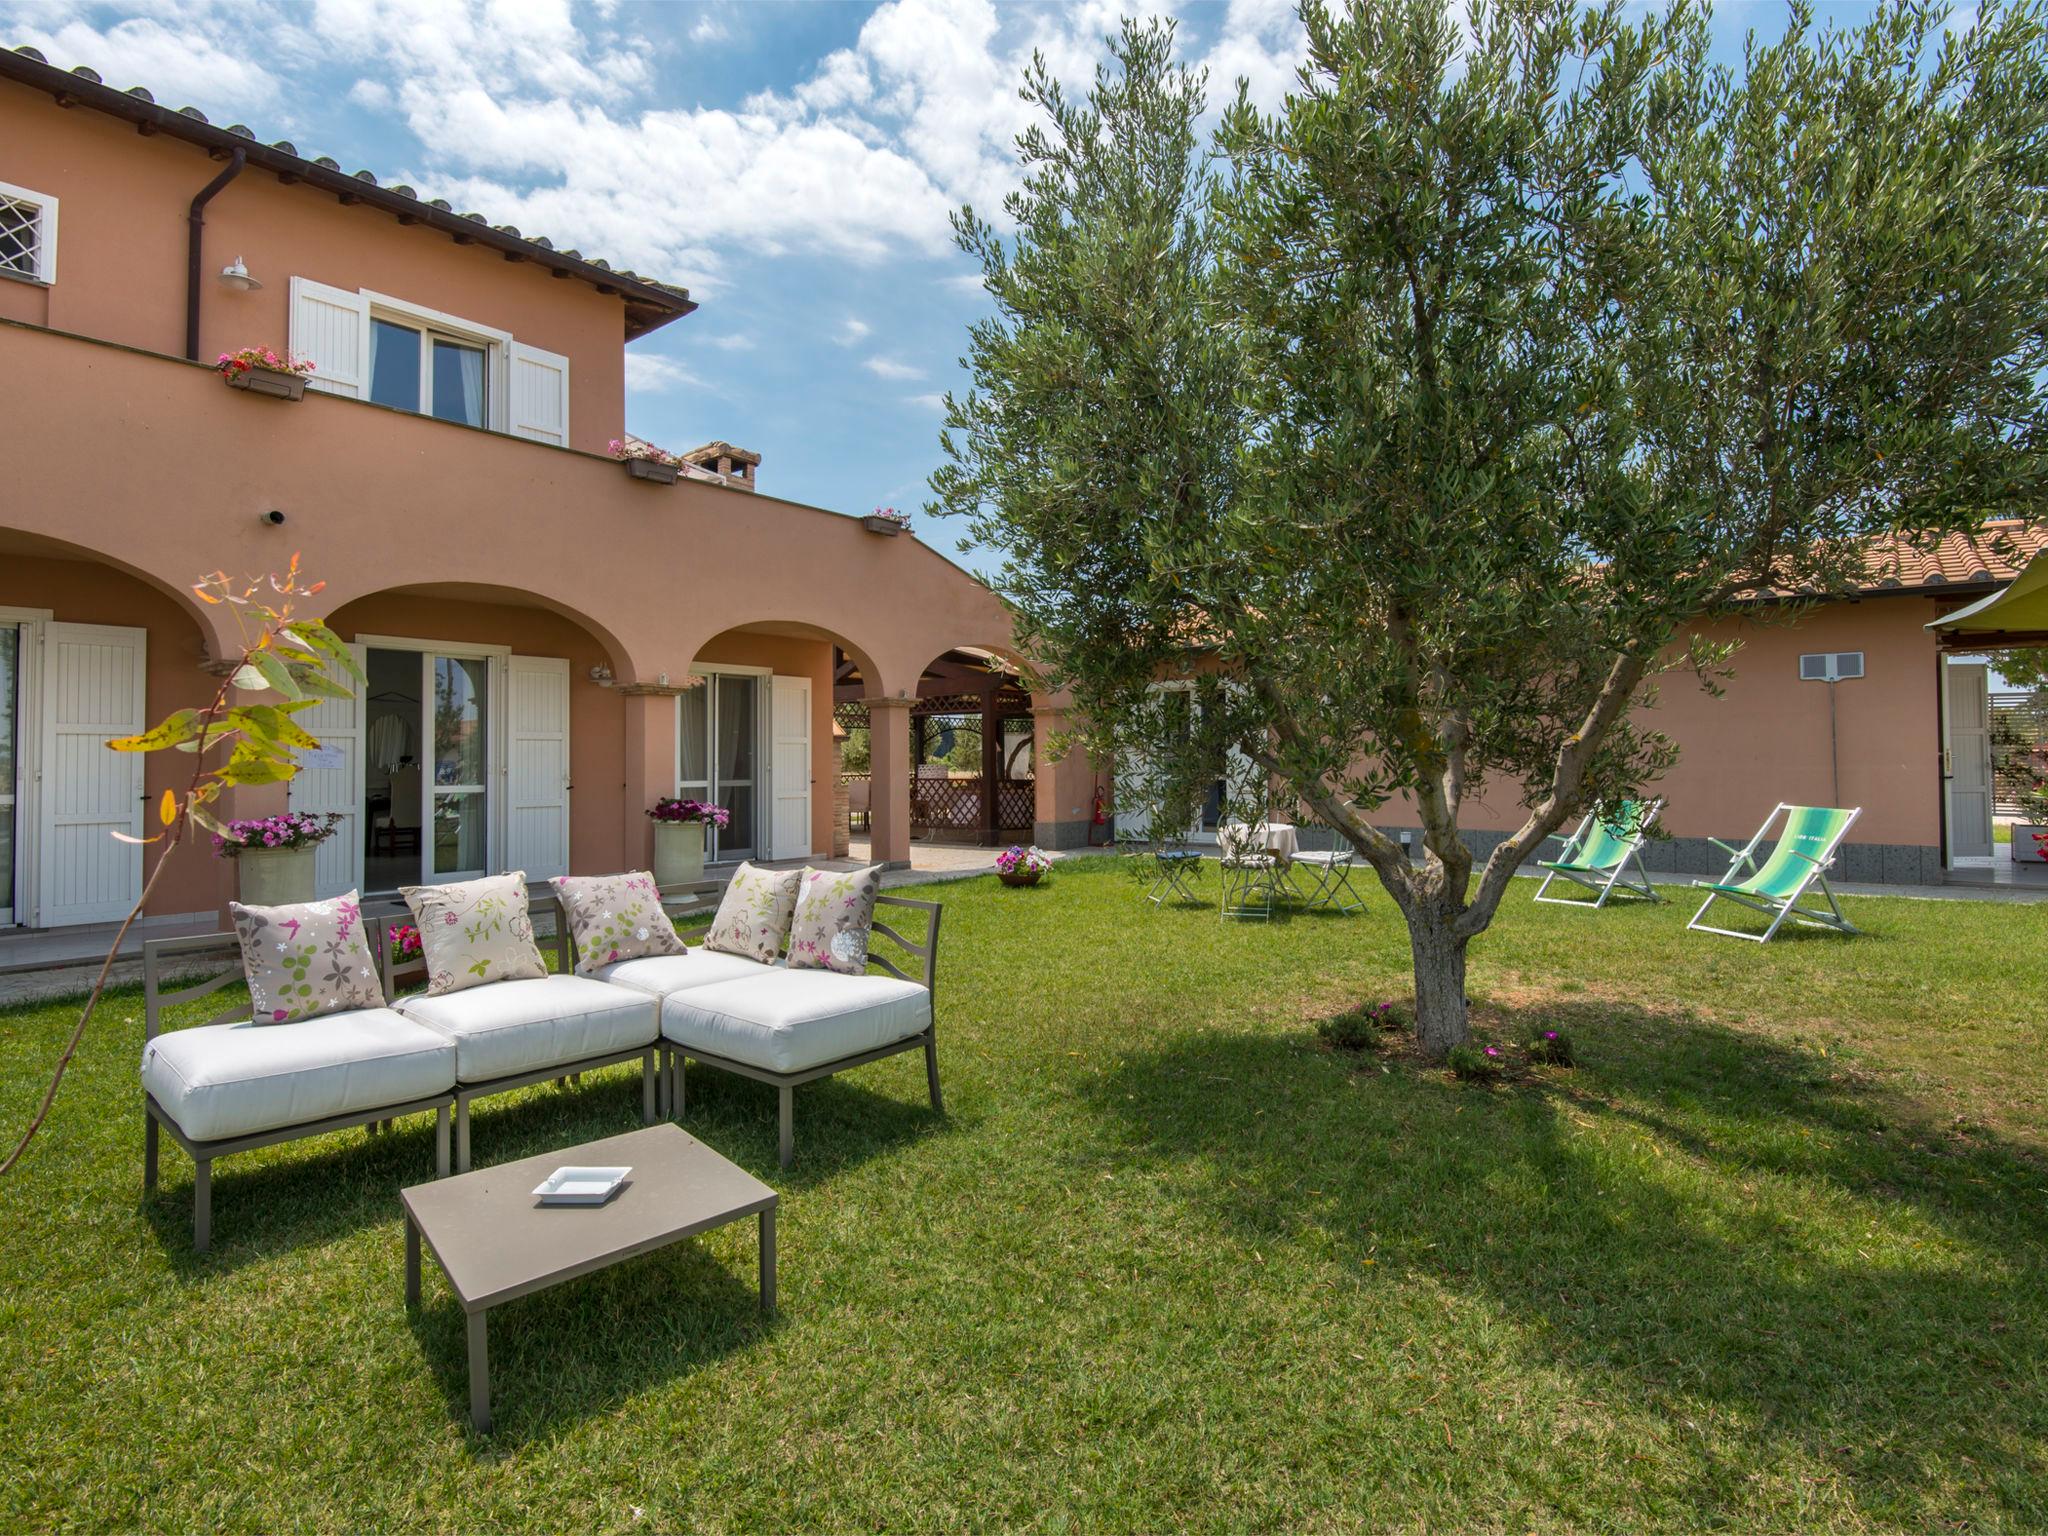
column 1423, row 419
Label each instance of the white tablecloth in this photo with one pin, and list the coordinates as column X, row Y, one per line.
column 1276, row 837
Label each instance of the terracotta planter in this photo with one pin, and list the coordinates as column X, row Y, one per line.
column 652, row 469
column 678, row 852
column 274, row 382
column 274, row 877
column 1021, row 877
column 2024, row 849
column 888, row 527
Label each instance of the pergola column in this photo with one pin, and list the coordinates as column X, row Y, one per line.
column 889, row 781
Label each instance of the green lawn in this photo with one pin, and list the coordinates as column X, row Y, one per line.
column 1774, row 1257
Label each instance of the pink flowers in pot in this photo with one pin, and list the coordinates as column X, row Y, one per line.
column 690, row 811
column 293, row 829
column 620, row 449
column 890, row 514
column 1018, row 860
column 232, row 363
column 405, row 943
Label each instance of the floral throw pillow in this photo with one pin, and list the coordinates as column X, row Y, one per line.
column 475, row 932
column 615, row 917
column 834, row 913
column 306, row 959
column 753, row 917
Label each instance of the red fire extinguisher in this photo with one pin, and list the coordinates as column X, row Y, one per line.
column 1101, row 816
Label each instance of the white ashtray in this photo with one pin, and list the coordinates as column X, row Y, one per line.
column 581, row 1186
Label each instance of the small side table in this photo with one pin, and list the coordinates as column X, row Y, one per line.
column 496, row 1242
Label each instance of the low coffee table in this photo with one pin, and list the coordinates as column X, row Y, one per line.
column 495, row 1241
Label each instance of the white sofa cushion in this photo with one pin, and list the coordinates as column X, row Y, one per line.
column 222, row 1080
column 791, row 1020
column 663, row 974
column 506, row 1027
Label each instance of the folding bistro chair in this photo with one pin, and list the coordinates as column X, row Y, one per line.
column 1176, row 867
column 1333, row 889
column 1805, row 850
column 1599, row 855
column 1251, row 875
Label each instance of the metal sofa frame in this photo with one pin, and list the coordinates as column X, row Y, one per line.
column 158, row 955
column 786, row 1083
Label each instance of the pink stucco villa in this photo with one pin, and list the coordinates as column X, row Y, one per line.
column 551, row 643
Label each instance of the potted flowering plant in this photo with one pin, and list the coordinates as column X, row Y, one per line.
column 679, row 838
column 1017, row 865
column 404, row 940
column 263, row 372
column 2030, row 834
column 644, row 461
column 274, row 855
column 886, row 521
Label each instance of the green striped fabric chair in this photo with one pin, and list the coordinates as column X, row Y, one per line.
column 1806, row 848
column 1599, row 855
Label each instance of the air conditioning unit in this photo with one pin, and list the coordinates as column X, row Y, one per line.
column 1830, row 666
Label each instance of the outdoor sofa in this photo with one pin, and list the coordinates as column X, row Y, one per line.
column 231, row 1085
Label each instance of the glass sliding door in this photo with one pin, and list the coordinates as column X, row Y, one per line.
column 719, row 727
column 459, row 845
column 10, row 753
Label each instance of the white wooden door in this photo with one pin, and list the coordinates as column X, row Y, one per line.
column 1969, row 761
column 537, row 767
column 330, row 782
column 789, row 767
column 92, row 690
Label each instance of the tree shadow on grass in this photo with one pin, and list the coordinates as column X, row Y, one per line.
column 1694, row 1214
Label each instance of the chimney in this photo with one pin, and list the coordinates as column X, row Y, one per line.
column 735, row 466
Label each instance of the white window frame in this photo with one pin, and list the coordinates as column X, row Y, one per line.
column 46, row 236
column 764, row 776
column 498, row 739
column 432, row 323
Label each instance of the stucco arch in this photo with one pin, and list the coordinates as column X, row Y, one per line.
column 622, row 657
column 795, row 624
column 218, row 633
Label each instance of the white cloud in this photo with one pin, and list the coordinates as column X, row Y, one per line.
column 649, row 373
column 928, row 402
column 890, row 368
column 732, row 343
column 854, row 329
column 542, row 113
column 709, row 29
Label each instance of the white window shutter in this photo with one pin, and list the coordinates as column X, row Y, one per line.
column 331, row 328
column 537, row 780
column 540, row 395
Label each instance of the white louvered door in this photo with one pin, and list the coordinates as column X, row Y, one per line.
column 92, row 689
column 330, row 782
column 537, row 767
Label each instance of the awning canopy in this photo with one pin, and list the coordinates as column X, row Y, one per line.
column 2014, row 615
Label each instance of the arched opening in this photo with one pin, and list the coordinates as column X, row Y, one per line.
column 91, row 648
column 972, row 759
column 482, row 712
column 757, row 734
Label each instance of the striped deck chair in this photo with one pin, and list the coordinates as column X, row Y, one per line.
column 1599, row 854
column 1806, row 848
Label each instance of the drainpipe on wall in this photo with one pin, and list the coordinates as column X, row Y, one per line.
column 193, row 258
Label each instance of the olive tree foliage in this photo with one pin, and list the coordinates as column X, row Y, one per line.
column 1423, row 421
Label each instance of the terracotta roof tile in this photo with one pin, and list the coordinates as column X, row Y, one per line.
column 1997, row 552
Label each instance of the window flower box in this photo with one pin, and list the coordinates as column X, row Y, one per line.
column 263, row 372
column 274, row 382
column 886, row 521
column 644, row 461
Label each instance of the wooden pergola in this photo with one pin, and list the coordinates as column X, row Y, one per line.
column 962, row 690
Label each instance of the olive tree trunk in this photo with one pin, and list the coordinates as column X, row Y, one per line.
column 1438, row 950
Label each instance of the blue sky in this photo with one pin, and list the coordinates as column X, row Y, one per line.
column 793, row 164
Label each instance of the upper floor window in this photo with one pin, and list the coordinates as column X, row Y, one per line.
column 28, row 234
column 371, row 346
column 415, row 368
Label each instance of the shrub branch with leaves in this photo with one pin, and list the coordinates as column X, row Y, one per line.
column 246, row 736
